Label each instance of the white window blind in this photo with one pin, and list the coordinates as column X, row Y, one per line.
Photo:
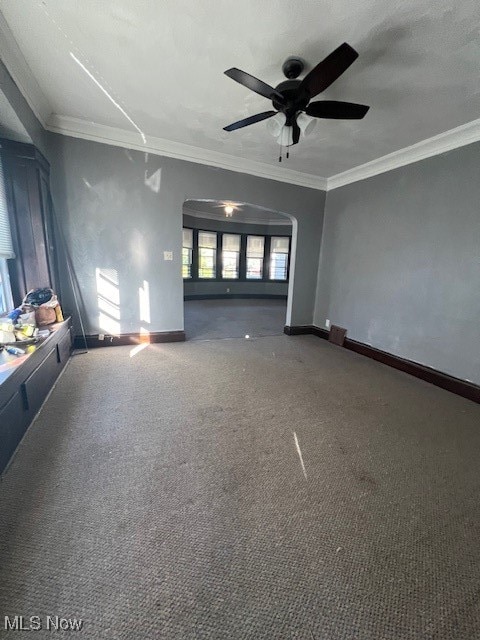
column 255, row 252
column 255, row 246
column 279, row 245
column 207, row 240
column 6, row 247
column 231, row 242
column 230, row 255
column 207, row 254
column 188, row 238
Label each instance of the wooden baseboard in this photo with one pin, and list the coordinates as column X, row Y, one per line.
column 305, row 329
column 298, row 330
column 438, row 378
column 93, row 341
column 235, row 296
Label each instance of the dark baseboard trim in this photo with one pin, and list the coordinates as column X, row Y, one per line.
column 237, row 296
column 298, row 330
column 305, row 329
column 128, row 339
column 438, row 378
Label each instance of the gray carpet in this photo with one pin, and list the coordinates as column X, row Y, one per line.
column 163, row 496
column 217, row 319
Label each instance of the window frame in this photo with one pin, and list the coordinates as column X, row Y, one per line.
column 5, row 287
column 239, row 254
column 242, row 257
column 266, row 246
column 215, row 277
column 190, row 249
column 271, row 253
column 6, row 293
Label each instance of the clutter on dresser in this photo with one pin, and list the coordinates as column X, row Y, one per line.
column 30, row 322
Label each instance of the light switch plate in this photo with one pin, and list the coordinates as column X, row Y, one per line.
column 168, row 255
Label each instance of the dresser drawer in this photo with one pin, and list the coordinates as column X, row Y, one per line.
column 37, row 386
column 64, row 348
column 14, row 420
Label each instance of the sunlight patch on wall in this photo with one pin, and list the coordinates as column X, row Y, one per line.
column 108, row 300
column 109, row 308
column 153, row 181
column 144, row 336
column 144, row 301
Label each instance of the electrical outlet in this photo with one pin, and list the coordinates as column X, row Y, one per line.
column 327, row 323
column 101, row 336
column 168, row 255
column 228, row 289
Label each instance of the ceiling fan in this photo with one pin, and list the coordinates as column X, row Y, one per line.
column 229, row 207
column 291, row 98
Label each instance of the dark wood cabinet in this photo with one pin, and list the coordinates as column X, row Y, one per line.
column 25, row 383
column 13, row 423
column 27, row 175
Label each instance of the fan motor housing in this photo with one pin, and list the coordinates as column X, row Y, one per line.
column 295, row 100
column 293, row 67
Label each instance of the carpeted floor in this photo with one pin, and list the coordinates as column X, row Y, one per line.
column 272, row 488
column 216, row 319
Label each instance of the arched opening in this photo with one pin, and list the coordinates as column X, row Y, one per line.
column 237, row 268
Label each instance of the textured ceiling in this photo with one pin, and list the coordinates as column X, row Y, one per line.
column 162, row 61
column 245, row 213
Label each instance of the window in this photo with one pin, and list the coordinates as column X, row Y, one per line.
column 255, row 253
column 278, row 258
column 6, row 302
column 212, row 255
column 207, row 254
column 230, row 255
column 187, row 248
column 6, row 248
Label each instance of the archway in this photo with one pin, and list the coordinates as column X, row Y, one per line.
column 238, row 263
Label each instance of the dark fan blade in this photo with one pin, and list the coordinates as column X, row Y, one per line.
column 336, row 110
column 329, row 70
column 251, row 120
column 254, row 84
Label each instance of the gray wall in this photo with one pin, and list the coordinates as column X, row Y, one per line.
column 121, row 209
column 235, row 288
column 37, row 133
column 400, row 262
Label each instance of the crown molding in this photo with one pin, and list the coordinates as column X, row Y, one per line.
column 195, row 213
column 447, row 141
column 22, row 75
column 79, row 128
column 17, row 66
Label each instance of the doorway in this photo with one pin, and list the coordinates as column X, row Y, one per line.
column 236, row 269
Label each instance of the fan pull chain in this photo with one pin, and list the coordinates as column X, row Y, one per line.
column 280, row 157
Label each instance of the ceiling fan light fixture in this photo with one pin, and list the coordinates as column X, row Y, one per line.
column 306, row 123
column 275, row 124
column 285, row 139
column 294, row 112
